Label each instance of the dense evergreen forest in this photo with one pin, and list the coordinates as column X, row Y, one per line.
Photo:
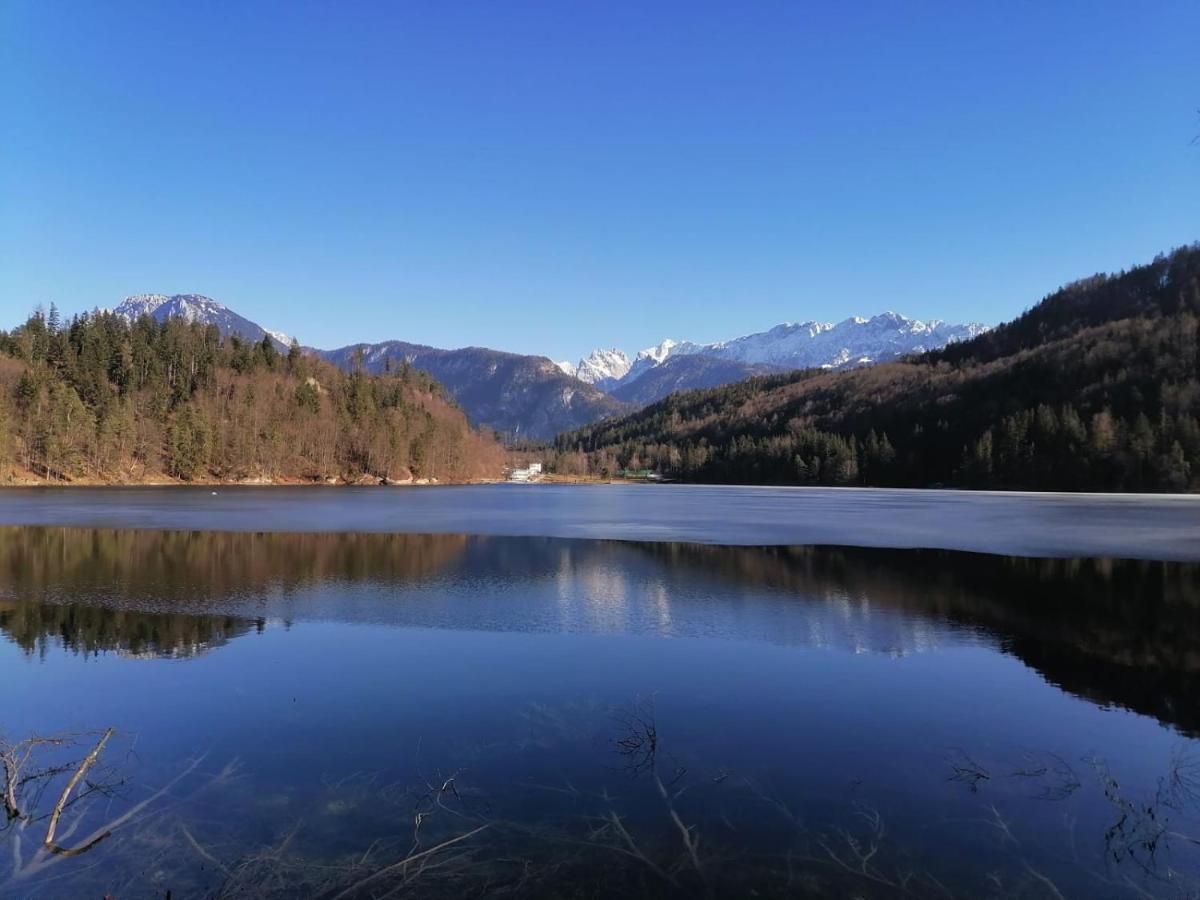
column 100, row 399
column 1095, row 388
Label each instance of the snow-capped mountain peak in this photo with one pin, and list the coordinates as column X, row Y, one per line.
column 139, row 305
column 603, row 368
column 197, row 308
column 193, row 307
column 659, row 352
column 283, row 338
column 655, row 356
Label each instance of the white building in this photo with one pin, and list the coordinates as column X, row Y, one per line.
column 529, row 473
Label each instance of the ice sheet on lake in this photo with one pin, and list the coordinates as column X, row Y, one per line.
column 1021, row 524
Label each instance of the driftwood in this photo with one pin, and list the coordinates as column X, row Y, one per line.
column 14, row 758
column 52, row 828
column 12, row 772
column 403, row 865
column 23, row 784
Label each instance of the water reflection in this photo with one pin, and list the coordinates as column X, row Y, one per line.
column 1118, row 632
column 1114, row 632
column 846, row 722
column 196, row 567
column 92, row 629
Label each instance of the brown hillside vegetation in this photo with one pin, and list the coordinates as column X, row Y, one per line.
column 102, row 400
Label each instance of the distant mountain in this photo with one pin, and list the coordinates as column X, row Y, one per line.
column 819, row 345
column 681, row 373
column 1094, row 388
column 851, row 342
column 535, row 397
column 518, row 396
column 603, row 368
column 792, row 345
column 655, row 356
column 198, row 308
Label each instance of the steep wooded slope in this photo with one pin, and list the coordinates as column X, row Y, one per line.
column 1095, row 388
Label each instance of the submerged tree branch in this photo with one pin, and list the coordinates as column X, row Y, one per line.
column 405, row 863
column 52, row 828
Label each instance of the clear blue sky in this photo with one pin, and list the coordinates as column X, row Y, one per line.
column 551, row 177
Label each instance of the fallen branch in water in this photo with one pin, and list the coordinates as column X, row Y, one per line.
column 11, row 773
column 631, row 849
column 52, row 828
column 14, row 758
column 202, row 852
column 49, row 852
column 403, row 864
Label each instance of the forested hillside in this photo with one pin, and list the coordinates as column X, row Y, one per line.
column 1095, row 388
column 102, row 399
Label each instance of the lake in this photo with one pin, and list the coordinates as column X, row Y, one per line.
column 1142, row 526
column 594, row 691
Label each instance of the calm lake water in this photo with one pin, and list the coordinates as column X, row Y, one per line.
column 298, row 712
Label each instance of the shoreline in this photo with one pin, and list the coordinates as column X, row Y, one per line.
column 28, row 483
column 553, row 481
column 83, row 483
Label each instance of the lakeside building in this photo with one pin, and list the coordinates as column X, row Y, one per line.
column 640, row 474
column 531, row 472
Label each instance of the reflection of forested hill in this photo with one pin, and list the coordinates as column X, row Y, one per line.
column 1121, row 632
column 193, row 566
column 92, row 629
column 148, row 592
column 1125, row 632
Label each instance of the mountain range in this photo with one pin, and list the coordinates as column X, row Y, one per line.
column 534, row 397
column 1097, row 387
column 853, row 342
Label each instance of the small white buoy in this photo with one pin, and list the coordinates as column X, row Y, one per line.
column 214, row 493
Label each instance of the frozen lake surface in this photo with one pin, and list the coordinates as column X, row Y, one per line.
column 1165, row 527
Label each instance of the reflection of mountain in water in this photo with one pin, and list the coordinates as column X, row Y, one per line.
column 1119, row 632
